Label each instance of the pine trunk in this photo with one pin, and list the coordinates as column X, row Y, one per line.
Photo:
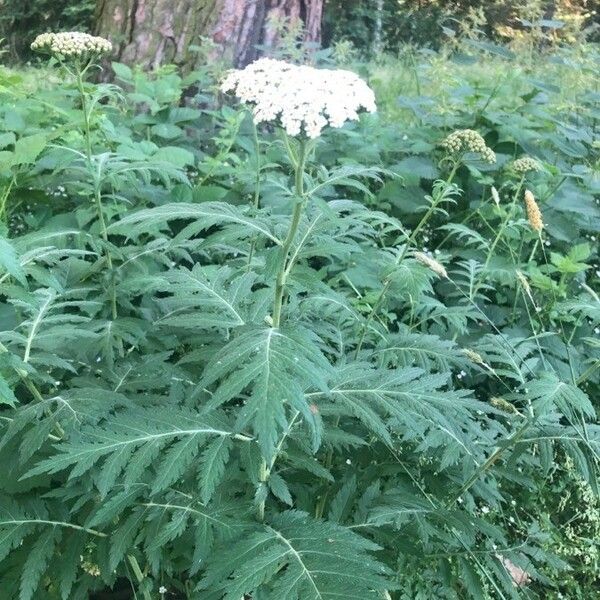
column 150, row 33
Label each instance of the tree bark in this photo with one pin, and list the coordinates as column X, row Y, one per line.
column 150, row 33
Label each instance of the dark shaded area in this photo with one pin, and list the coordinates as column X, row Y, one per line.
column 421, row 22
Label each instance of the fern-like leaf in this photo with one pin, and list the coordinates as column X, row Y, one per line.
column 275, row 366
column 130, row 442
column 295, row 556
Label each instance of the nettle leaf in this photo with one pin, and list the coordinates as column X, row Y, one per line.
column 274, row 367
column 35, row 422
column 28, row 148
column 40, row 528
column 130, row 442
column 7, row 396
column 295, row 556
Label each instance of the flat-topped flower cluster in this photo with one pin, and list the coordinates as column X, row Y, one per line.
column 71, row 44
column 302, row 99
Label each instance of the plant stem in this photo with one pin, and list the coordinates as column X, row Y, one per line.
column 4, row 198
column 86, row 115
column 265, row 471
column 503, row 226
column 298, row 161
column 377, row 305
column 139, row 575
column 282, row 273
column 256, row 189
column 97, row 191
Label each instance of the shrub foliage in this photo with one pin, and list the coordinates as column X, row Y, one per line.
column 429, row 381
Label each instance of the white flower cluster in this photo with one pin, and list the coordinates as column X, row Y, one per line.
column 71, row 44
column 301, row 99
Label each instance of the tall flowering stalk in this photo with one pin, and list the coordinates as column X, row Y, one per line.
column 77, row 53
column 302, row 101
column 521, row 167
column 456, row 145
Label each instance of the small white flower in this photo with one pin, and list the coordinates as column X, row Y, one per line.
column 348, row 461
column 485, row 510
column 162, row 589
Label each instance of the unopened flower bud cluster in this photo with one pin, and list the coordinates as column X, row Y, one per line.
column 71, row 44
column 468, row 140
column 525, row 164
column 301, row 99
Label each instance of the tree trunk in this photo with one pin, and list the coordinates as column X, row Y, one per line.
column 150, row 33
column 378, row 33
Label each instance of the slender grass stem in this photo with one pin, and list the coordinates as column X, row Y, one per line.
column 499, row 235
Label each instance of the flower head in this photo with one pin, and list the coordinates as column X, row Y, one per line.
column 520, row 578
column 72, row 44
column 495, row 196
column 525, row 164
column 534, row 214
column 432, row 264
column 468, row 140
column 503, row 405
column 301, row 99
